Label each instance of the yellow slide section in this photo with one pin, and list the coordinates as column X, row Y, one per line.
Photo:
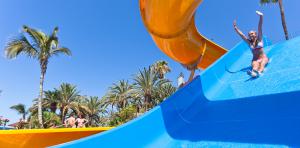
column 38, row 138
column 171, row 24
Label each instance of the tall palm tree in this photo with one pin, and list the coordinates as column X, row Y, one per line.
column 37, row 45
column 161, row 68
column 282, row 13
column 146, row 82
column 68, row 98
column 21, row 109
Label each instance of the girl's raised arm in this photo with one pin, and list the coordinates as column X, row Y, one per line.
column 240, row 33
column 259, row 36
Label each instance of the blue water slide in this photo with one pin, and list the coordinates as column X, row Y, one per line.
column 223, row 107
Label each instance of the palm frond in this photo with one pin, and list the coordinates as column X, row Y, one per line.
column 268, row 1
column 52, row 42
column 20, row 108
column 62, row 50
column 18, row 45
column 39, row 38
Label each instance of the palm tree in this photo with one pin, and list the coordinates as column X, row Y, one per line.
column 280, row 3
column 161, row 68
column 41, row 47
column 109, row 102
column 123, row 115
column 68, row 99
column 163, row 92
column 93, row 107
column 121, row 92
column 21, row 109
column 51, row 100
column 138, row 103
column 49, row 118
column 33, row 110
column 146, row 82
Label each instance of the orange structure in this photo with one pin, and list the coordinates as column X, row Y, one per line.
column 37, row 138
column 172, row 26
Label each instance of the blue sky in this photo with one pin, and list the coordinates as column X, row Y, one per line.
column 109, row 41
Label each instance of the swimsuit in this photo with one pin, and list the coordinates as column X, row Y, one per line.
column 258, row 53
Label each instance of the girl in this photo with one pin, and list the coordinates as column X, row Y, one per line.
column 255, row 43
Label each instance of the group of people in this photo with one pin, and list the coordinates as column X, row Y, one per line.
column 73, row 122
column 255, row 43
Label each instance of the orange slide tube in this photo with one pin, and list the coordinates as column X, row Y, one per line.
column 171, row 24
column 38, row 138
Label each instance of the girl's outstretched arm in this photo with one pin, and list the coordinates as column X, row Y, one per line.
column 240, row 33
column 259, row 36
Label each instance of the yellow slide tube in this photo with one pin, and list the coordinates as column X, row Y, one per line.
column 39, row 138
column 171, row 24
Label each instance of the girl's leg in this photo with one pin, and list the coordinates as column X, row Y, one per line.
column 262, row 65
column 255, row 65
column 193, row 68
column 191, row 76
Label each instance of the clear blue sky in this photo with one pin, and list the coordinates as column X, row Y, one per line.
column 109, row 41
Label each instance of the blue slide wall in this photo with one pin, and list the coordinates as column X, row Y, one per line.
column 223, row 107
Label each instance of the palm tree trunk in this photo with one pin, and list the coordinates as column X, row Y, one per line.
column 112, row 110
column 147, row 102
column 62, row 114
column 24, row 117
column 161, row 75
column 283, row 20
column 40, row 118
column 61, row 118
column 53, row 107
column 91, row 123
column 124, row 103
